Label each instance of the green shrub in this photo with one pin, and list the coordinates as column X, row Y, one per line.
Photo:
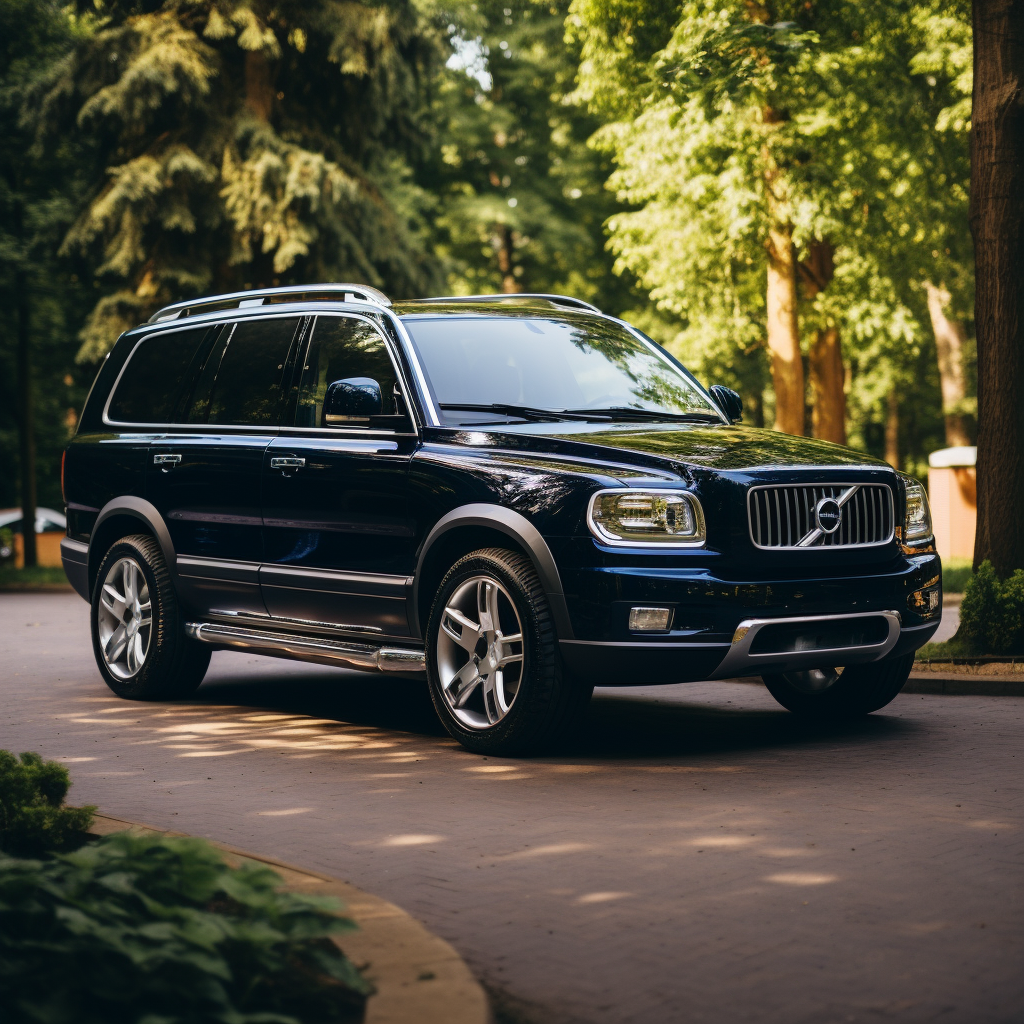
column 992, row 613
column 147, row 930
column 33, row 821
column 955, row 574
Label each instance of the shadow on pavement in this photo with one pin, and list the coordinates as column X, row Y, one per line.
column 618, row 725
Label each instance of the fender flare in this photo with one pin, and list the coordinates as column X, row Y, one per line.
column 521, row 530
column 144, row 511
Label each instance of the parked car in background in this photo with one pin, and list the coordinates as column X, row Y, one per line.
column 519, row 496
column 50, row 526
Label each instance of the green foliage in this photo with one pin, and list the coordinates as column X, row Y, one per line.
column 239, row 145
column 39, row 191
column 842, row 120
column 144, row 930
column 992, row 613
column 33, row 820
column 520, row 197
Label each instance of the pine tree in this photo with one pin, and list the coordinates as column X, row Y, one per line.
column 243, row 143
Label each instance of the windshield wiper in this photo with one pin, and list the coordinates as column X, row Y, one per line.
column 527, row 412
column 627, row 413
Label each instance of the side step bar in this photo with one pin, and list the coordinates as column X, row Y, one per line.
column 365, row 656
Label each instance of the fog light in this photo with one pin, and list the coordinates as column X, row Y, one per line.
column 926, row 601
column 649, row 620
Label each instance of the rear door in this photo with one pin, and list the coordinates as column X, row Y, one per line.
column 338, row 527
column 205, row 476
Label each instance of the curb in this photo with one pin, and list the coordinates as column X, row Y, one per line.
column 419, row 977
column 943, row 684
column 960, row 684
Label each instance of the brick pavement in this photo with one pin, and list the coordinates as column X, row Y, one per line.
column 699, row 855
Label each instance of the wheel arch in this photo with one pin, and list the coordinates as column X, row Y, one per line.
column 121, row 517
column 470, row 527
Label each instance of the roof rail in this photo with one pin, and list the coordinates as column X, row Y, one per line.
column 267, row 296
column 559, row 300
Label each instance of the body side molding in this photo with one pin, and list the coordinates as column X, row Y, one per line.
column 519, row 528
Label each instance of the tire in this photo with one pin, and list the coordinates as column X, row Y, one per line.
column 526, row 701
column 846, row 693
column 151, row 658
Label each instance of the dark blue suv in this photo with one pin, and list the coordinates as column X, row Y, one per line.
column 518, row 495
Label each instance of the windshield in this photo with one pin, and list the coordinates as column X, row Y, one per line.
column 526, row 367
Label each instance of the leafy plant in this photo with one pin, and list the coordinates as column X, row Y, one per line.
column 992, row 613
column 147, row 930
column 33, row 820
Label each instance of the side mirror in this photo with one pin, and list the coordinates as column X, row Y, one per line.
column 728, row 401
column 352, row 401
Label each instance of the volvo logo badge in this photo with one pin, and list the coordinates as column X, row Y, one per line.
column 828, row 514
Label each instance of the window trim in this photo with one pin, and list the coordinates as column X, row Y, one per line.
column 277, row 429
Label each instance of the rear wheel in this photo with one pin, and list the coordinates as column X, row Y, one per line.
column 137, row 630
column 841, row 692
column 495, row 675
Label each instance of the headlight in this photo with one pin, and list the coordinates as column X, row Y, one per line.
column 653, row 518
column 918, row 524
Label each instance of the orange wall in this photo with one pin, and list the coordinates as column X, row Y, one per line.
column 953, row 495
column 47, row 549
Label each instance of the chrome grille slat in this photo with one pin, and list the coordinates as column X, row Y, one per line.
column 782, row 517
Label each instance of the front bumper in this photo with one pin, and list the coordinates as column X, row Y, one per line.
column 724, row 628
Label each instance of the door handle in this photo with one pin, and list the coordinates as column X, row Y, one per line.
column 286, row 462
column 166, row 460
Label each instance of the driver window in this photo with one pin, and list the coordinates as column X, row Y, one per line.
column 342, row 348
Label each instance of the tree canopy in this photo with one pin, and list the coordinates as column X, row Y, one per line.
column 777, row 190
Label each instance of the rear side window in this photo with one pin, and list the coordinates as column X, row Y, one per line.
column 151, row 385
column 242, row 381
column 342, row 348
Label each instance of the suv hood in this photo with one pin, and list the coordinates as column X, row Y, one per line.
column 712, row 447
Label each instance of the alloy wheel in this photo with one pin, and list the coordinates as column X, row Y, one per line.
column 125, row 619
column 480, row 652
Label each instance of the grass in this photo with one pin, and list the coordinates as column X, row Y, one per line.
column 955, row 574
column 39, row 576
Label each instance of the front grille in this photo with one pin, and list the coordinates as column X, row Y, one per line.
column 784, row 517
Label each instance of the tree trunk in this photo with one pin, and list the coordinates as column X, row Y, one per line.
column 997, row 226
column 259, row 86
column 828, row 379
column 783, row 335
column 892, row 429
column 506, row 260
column 26, row 428
column 825, row 362
column 949, row 344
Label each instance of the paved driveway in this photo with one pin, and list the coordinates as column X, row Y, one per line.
column 698, row 856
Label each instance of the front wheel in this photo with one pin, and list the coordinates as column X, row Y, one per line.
column 838, row 693
column 137, row 633
column 496, row 678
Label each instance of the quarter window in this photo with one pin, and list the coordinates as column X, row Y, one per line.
column 151, row 385
column 243, row 379
column 342, row 348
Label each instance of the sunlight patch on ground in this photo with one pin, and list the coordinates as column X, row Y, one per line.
column 546, row 851
column 283, row 813
column 801, row 878
column 412, row 840
column 723, row 841
column 602, row 897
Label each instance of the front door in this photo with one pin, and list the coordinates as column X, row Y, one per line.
column 204, row 476
column 339, row 533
